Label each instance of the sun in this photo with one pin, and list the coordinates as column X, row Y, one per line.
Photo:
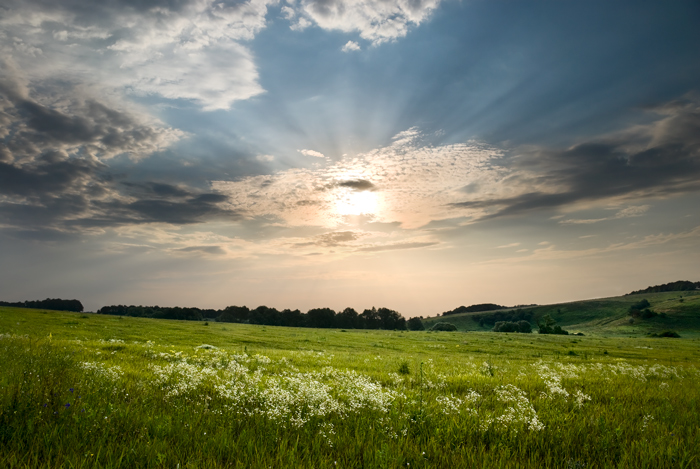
column 353, row 202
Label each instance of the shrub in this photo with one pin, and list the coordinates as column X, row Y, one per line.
column 404, row 369
column 505, row 326
column 444, row 326
column 510, row 326
column 639, row 309
column 672, row 334
column 648, row 314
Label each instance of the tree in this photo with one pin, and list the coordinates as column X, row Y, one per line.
column 234, row 314
column 547, row 325
column 370, row 319
column 264, row 316
column 415, row 324
column 348, row 319
column 320, row 317
column 524, row 327
column 293, row 318
column 391, row 320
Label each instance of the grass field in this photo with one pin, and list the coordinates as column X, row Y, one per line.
column 84, row 391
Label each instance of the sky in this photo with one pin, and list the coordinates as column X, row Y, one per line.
column 411, row 154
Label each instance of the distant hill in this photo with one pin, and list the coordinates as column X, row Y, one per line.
column 474, row 308
column 676, row 310
column 681, row 285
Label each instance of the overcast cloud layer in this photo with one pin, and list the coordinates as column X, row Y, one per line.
column 309, row 153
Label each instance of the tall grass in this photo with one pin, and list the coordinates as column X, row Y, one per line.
column 113, row 402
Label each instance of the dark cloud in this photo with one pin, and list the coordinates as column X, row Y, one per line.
column 52, row 180
column 159, row 189
column 217, row 250
column 74, row 194
column 74, row 125
column 358, row 184
column 42, row 180
column 355, row 184
column 655, row 161
column 304, row 203
column 337, row 238
column 191, row 211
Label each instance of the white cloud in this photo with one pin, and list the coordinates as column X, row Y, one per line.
column 193, row 50
column 265, row 158
column 350, row 46
column 315, row 153
column 376, row 20
column 628, row 212
column 406, row 182
column 633, row 211
column 511, row 245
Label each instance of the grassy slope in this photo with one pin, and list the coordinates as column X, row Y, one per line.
column 608, row 316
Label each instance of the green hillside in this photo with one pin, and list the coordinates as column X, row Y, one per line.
column 679, row 311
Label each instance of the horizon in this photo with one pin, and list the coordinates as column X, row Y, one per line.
column 305, row 154
column 359, row 310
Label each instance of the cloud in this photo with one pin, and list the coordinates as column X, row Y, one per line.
column 71, row 122
column 376, row 21
column 192, row 49
column 351, row 46
column 628, row 212
column 338, row 238
column 73, row 195
column 511, row 245
column 215, row 250
column 396, row 246
column 53, row 172
column 312, row 153
column 409, row 181
column 357, row 184
column 192, row 210
column 660, row 159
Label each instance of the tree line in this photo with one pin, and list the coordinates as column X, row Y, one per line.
column 374, row 318
column 54, row 304
column 680, row 285
column 474, row 308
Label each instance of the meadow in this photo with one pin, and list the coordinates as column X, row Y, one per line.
column 91, row 391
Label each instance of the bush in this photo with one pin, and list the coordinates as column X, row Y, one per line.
column 648, row 314
column 672, row 334
column 511, row 326
column 505, row 326
column 444, row 326
column 640, row 308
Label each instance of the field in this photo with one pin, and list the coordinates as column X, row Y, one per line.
column 89, row 391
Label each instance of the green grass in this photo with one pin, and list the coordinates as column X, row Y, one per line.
column 144, row 393
column 607, row 316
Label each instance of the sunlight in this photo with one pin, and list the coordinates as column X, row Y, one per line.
column 353, row 202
